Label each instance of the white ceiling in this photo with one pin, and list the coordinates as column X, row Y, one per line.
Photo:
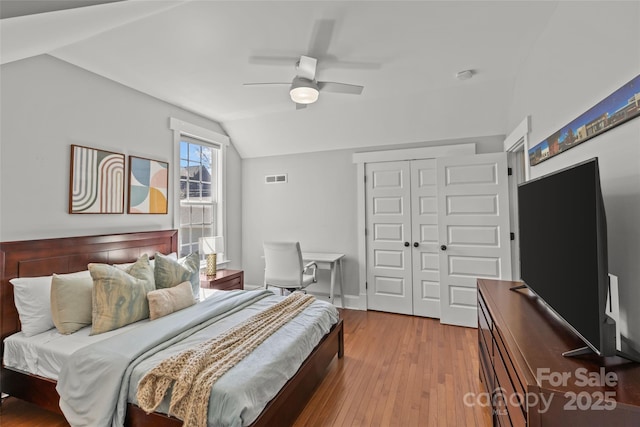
column 197, row 55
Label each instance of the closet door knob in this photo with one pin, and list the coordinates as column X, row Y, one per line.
column 406, row 244
column 416, row 244
column 443, row 247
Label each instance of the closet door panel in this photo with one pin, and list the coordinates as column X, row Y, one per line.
column 474, row 231
column 425, row 238
column 388, row 210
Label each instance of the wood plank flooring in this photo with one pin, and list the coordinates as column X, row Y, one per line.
column 397, row 371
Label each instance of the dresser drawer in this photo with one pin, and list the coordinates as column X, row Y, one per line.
column 486, row 366
column 504, row 386
column 509, row 366
column 485, row 326
column 234, row 283
column 500, row 411
column 483, row 306
column 485, row 347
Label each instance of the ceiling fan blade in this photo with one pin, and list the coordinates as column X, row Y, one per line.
column 266, row 84
column 321, row 37
column 340, row 88
column 307, row 67
column 272, row 60
column 300, row 106
column 332, row 62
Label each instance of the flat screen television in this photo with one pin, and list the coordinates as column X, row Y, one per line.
column 563, row 250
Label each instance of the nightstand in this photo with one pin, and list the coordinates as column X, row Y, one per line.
column 224, row 280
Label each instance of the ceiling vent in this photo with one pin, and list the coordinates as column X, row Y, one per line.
column 276, row 179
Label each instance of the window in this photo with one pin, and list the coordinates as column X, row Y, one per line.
column 199, row 188
column 199, row 192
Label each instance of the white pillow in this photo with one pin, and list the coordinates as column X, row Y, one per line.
column 32, row 296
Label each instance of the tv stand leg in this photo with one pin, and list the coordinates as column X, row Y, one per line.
column 577, row 352
column 627, row 350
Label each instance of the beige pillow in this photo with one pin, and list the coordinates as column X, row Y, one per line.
column 166, row 301
column 71, row 302
column 119, row 297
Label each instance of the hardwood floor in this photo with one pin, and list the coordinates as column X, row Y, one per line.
column 397, row 371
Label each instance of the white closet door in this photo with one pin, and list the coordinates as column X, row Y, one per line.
column 473, row 219
column 425, row 239
column 388, row 210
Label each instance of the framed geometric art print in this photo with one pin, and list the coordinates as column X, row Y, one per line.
column 148, row 186
column 97, row 181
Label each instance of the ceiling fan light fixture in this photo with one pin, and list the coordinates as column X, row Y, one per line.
column 304, row 91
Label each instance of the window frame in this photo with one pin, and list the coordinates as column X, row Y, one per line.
column 217, row 140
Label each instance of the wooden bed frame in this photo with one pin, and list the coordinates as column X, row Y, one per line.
column 66, row 255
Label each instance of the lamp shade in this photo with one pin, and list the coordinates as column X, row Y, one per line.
column 304, row 91
column 211, row 245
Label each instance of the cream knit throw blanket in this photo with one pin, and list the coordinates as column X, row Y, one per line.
column 193, row 372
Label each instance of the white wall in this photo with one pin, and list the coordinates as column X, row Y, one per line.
column 589, row 50
column 46, row 106
column 316, row 207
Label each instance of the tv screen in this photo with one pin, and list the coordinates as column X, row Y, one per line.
column 563, row 247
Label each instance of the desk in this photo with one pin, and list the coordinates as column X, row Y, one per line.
column 328, row 261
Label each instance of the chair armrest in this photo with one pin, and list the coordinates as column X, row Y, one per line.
column 310, row 265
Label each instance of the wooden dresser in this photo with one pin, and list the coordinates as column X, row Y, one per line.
column 528, row 381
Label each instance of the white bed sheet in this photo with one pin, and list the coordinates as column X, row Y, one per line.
column 44, row 354
column 235, row 400
column 97, row 381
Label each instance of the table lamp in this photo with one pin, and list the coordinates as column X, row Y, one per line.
column 210, row 246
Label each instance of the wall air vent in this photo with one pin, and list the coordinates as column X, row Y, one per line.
column 276, row 179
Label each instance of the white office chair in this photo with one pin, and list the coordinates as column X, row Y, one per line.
column 284, row 268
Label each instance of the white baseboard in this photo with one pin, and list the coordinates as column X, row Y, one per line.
column 355, row 302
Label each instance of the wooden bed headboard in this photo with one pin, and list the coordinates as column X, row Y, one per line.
column 32, row 258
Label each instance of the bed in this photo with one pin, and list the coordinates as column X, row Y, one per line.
column 66, row 255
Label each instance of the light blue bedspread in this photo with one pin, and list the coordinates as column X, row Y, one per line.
column 98, row 380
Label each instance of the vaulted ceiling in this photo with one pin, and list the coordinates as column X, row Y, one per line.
column 198, row 54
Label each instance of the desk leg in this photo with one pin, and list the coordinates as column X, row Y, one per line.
column 341, row 283
column 333, row 281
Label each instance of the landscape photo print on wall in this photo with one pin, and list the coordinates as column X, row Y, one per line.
column 96, row 182
column 619, row 107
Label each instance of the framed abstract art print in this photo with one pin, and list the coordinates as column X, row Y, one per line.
column 97, row 181
column 148, row 186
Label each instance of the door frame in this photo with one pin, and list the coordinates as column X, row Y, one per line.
column 360, row 159
column 516, row 141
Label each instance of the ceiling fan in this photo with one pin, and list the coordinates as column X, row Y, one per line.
column 305, row 89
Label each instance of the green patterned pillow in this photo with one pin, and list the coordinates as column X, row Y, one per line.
column 119, row 297
column 169, row 272
column 143, row 269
